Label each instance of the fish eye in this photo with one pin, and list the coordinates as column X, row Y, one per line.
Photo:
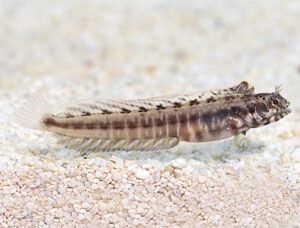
column 275, row 102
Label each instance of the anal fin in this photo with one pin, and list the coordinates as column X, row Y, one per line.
column 86, row 145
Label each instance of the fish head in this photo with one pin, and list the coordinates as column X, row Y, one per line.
column 269, row 107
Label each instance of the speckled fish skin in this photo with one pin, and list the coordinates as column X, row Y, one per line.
column 202, row 117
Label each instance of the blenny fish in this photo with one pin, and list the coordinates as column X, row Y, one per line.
column 155, row 123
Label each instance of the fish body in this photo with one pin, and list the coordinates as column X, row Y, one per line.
column 161, row 122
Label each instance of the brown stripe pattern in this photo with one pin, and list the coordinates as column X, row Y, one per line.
column 196, row 118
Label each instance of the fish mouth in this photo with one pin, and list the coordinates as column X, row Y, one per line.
column 288, row 110
column 285, row 113
column 277, row 116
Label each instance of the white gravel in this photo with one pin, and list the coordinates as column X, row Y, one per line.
column 142, row 174
column 75, row 49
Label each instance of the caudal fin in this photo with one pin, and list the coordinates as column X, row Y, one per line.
column 32, row 113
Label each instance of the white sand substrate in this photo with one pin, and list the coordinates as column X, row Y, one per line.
column 71, row 50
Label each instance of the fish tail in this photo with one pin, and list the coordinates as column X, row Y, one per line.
column 33, row 113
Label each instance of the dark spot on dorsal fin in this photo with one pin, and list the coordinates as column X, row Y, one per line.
column 167, row 101
column 143, row 109
column 106, row 112
column 68, row 115
column 194, row 102
column 177, row 105
column 211, row 99
column 228, row 98
column 125, row 110
column 93, row 106
column 86, row 114
column 182, row 98
column 160, row 106
column 148, row 103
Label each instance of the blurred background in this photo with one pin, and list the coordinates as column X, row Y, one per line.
column 78, row 48
column 75, row 49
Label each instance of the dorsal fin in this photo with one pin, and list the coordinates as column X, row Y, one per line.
column 109, row 106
